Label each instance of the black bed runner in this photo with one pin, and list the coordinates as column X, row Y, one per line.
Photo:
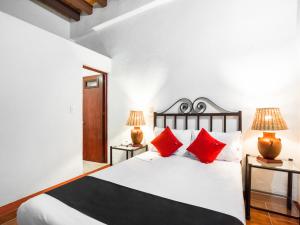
column 114, row 204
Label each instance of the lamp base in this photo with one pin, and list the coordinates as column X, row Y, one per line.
column 269, row 161
column 269, row 146
column 136, row 136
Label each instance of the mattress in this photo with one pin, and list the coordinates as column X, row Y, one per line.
column 216, row 186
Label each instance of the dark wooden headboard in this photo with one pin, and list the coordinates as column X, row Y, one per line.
column 187, row 109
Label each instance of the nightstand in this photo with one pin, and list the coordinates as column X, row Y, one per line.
column 128, row 148
column 288, row 167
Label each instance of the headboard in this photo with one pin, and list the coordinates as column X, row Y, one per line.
column 195, row 110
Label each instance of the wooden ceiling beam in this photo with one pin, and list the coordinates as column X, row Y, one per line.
column 62, row 8
column 91, row 2
column 103, row 3
column 80, row 5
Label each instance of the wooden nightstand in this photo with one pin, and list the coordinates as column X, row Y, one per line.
column 288, row 167
column 128, row 148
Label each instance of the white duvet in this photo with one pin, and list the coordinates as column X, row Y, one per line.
column 216, row 186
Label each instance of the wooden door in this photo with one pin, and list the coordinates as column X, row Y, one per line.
column 94, row 120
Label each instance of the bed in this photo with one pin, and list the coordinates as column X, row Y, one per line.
column 183, row 185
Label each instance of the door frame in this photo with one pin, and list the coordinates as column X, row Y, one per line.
column 104, row 113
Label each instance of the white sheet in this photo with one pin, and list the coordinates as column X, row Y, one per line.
column 216, row 186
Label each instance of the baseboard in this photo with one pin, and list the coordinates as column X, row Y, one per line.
column 13, row 206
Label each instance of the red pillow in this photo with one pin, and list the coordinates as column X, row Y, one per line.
column 205, row 147
column 166, row 143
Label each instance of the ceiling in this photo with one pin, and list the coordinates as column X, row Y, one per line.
column 74, row 8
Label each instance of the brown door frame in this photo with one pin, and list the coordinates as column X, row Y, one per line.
column 104, row 126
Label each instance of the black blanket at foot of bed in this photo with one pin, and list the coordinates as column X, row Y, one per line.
column 114, row 204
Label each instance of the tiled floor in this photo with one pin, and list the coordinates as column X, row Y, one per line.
column 11, row 222
column 89, row 166
column 262, row 218
column 259, row 217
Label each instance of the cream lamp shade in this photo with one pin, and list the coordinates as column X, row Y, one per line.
column 136, row 118
column 268, row 119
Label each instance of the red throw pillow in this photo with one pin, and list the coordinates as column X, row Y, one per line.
column 166, row 143
column 205, row 147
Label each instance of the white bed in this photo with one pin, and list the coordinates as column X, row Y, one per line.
column 216, row 186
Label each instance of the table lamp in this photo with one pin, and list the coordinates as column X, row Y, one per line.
column 267, row 120
column 136, row 119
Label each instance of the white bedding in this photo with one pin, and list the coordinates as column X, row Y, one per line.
column 216, row 186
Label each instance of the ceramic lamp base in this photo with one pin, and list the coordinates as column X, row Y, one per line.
column 136, row 136
column 269, row 146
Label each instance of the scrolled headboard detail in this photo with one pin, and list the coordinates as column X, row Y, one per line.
column 197, row 109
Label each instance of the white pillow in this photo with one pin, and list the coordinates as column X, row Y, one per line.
column 184, row 136
column 233, row 149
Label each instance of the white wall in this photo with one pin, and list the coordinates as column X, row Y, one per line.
column 40, row 116
column 240, row 54
column 37, row 15
column 298, row 121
